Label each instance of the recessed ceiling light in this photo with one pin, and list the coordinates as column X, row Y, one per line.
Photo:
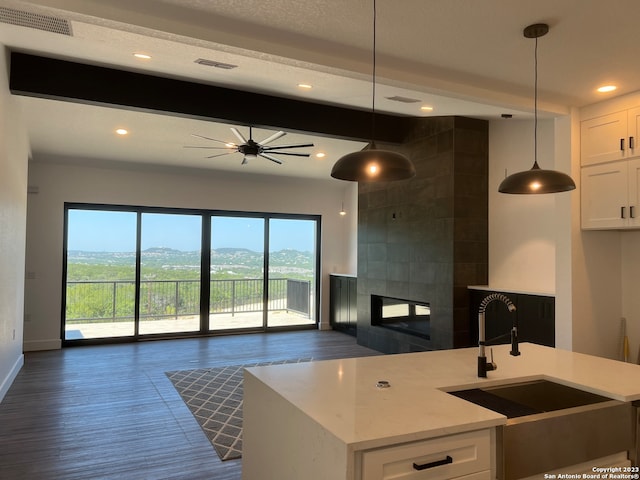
column 320, row 155
column 142, row 56
column 305, row 86
column 122, row 131
column 426, row 108
column 607, row 88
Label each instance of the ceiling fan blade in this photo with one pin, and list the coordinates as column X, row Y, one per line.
column 279, row 147
column 287, row 153
column 207, row 138
column 238, row 135
column 273, row 137
column 220, row 155
column 269, row 157
column 199, row 146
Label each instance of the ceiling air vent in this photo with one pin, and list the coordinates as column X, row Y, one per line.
column 213, row 63
column 403, row 99
column 35, row 20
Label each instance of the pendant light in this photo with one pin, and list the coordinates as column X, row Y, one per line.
column 371, row 164
column 536, row 180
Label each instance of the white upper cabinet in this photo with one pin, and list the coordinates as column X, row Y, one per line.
column 610, row 160
column 606, row 138
column 610, row 198
column 633, row 130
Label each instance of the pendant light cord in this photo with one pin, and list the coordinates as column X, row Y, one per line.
column 535, row 106
column 373, row 95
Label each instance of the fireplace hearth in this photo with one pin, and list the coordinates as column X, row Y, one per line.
column 406, row 316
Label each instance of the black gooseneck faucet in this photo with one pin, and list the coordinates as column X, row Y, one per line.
column 483, row 365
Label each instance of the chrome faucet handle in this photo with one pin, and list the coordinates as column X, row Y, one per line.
column 484, row 366
column 491, row 365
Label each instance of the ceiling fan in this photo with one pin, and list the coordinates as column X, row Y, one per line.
column 250, row 149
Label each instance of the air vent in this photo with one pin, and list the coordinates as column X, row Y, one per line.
column 403, row 99
column 35, row 20
column 213, row 63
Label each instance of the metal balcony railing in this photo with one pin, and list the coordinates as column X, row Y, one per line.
column 115, row 300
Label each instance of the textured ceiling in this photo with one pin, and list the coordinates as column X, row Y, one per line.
column 464, row 57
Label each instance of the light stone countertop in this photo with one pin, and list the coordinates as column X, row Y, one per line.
column 341, row 395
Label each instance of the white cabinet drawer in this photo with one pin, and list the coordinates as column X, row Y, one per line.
column 434, row 459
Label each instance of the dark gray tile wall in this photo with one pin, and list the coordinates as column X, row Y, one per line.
column 426, row 238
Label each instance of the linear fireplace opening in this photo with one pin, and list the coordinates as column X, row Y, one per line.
column 406, row 316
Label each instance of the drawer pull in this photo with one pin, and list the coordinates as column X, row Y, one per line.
column 622, row 144
column 437, row 463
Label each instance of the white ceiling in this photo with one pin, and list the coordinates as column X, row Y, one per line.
column 463, row 57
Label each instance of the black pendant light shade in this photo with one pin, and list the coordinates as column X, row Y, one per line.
column 536, row 180
column 373, row 165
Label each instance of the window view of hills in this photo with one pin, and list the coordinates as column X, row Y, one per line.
column 161, row 263
column 167, row 294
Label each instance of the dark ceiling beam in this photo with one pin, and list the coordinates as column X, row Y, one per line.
column 56, row 79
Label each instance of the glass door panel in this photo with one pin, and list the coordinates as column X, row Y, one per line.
column 237, row 273
column 292, row 272
column 170, row 273
column 100, row 274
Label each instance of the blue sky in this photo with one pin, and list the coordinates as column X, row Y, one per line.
column 108, row 231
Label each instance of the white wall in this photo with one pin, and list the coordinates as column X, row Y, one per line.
column 530, row 235
column 630, row 259
column 522, row 236
column 597, row 293
column 13, row 203
column 60, row 182
column 567, row 159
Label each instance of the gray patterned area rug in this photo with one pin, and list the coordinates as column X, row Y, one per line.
column 214, row 396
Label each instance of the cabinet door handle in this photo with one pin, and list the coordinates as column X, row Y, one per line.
column 622, row 144
column 631, row 214
column 437, row 463
column 622, row 212
column 632, row 143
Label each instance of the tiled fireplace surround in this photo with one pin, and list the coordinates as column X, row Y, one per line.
column 426, row 239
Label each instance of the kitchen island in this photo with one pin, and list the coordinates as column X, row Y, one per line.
column 334, row 420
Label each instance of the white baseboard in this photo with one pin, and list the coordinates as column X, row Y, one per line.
column 36, row 345
column 6, row 383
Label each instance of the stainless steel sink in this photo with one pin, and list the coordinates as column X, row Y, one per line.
column 550, row 426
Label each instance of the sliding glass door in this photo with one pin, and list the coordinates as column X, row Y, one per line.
column 237, row 273
column 100, row 272
column 170, row 273
column 292, row 272
column 141, row 272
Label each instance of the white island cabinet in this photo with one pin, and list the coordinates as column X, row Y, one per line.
column 329, row 420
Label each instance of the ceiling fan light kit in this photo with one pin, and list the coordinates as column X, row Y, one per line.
column 371, row 164
column 536, row 180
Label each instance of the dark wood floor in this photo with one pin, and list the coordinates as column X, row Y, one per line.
column 109, row 412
